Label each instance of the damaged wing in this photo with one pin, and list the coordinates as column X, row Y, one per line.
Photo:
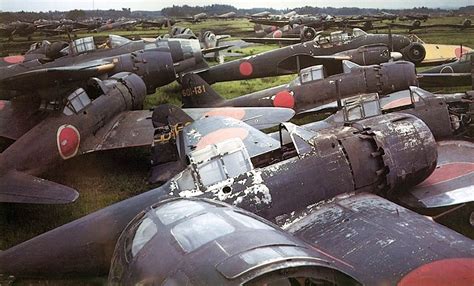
column 366, row 228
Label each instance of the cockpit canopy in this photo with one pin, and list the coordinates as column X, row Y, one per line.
column 309, row 74
column 203, row 242
column 88, row 44
column 338, row 37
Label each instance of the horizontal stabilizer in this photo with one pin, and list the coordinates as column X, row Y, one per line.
column 16, row 187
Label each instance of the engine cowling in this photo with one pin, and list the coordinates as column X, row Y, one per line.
column 307, row 34
column 466, row 23
column 416, row 24
column 414, row 52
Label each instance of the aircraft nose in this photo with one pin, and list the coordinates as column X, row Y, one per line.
column 396, row 56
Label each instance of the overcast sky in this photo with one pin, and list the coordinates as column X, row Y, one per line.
column 153, row 5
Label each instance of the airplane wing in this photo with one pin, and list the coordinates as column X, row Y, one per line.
column 135, row 128
column 215, row 49
column 49, row 76
column 444, row 79
column 283, row 41
column 18, row 116
column 211, row 130
column 452, row 181
column 128, row 129
column 17, row 187
column 364, row 228
column 257, row 117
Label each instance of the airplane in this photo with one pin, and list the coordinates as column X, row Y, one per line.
column 120, row 24
column 416, row 25
column 420, row 17
column 263, row 14
column 102, row 115
column 43, row 51
column 322, row 22
column 292, row 58
column 310, row 89
column 162, row 59
column 160, row 23
column 457, row 73
column 301, row 32
column 208, row 40
column 228, row 15
column 384, row 16
column 337, row 172
column 22, row 29
column 196, row 18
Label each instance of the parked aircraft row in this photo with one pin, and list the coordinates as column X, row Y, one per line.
column 339, row 201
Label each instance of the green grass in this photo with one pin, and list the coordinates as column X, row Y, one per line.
column 108, row 177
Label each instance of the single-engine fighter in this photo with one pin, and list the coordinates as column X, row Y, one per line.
column 22, row 29
column 208, row 40
column 157, row 62
column 101, row 116
column 360, row 47
column 310, row 89
column 43, row 51
column 120, row 24
column 231, row 162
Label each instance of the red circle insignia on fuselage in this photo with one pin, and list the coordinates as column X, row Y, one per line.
column 14, row 59
column 68, row 140
column 2, row 104
column 451, row 271
column 277, row 34
column 246, row 68
column 284, row 99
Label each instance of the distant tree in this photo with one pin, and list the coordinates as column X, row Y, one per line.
column 76, row 14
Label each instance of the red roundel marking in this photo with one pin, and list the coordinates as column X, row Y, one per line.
column 277, row 34
column 453, row 271
column 68, row 139
column 222, row 135
column 233, row 112
column 246, row 68
column 397, row 103
column 14, row 59
column 448, row 172
column 2, row 104
column 458, row 52
column 284, row 99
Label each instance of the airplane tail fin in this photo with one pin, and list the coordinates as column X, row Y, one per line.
column 197, row 92
column 17, row 187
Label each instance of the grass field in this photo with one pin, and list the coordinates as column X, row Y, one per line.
column 108, row 177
